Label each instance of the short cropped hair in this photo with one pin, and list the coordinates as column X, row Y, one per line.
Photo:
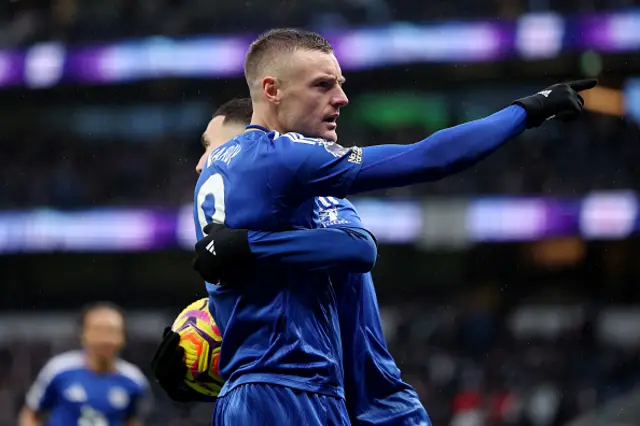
column 237, row 111
column 94, row 306
column 277, row 41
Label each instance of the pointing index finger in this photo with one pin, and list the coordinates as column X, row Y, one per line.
column 580, row 85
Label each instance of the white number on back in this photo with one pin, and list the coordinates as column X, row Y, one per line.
column 214, row 186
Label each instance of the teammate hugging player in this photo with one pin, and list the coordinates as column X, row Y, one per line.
column 281, row 354
column 375, row 393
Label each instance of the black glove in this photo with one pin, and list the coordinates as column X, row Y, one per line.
column 560, row 101
column 170, row 370
column 221, row 250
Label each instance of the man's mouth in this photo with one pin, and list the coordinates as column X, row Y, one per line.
column 331, row 120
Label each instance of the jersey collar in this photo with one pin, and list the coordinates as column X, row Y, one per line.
column 254, row 127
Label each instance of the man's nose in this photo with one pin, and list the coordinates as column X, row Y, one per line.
column 340, row 99
column 200, row 165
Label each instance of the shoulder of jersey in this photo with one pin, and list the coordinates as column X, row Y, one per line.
column 132, row 372
column 66, row 361
column 297, row 138
column 300, row 138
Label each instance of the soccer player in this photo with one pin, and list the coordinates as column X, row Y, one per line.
column 375, row 393
column 280, row 353
column 92, row 386
column 374, row 390
column 281, row 356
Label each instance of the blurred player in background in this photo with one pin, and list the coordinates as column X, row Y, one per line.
column 280, row 352
column 92, row 386
column 375, row 392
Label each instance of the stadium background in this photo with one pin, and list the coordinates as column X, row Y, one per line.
column 509, row 292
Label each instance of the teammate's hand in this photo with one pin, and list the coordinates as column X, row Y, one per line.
column 560, row 101
column 220, row 250
column 170, row 370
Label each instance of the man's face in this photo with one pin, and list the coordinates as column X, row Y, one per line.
column 311, row 94
column 103, row 333
column 217, row 133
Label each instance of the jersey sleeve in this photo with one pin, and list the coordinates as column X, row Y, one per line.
column 317, row 167
column 140, row 402
column 442, row 154
column 341, row 243
column 321, row 168
column 42, row 394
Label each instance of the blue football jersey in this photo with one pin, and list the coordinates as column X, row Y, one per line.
column 68, row 393
column 279, row 326
column 375, row 392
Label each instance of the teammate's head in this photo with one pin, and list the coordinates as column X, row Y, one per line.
column 102, row 330
column 227, row 122
column 295, row 83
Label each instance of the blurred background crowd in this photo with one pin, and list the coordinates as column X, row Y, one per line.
column 509, row 292
column 597, row 154
column 25, row 21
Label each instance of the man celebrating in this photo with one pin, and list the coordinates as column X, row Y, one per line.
column 281, row 355
column 375, row 393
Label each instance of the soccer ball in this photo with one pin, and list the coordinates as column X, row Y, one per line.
column 201, row 339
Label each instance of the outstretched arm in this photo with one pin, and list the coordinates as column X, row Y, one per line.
column 320, row 168
column 325, row 168
column 442, row 154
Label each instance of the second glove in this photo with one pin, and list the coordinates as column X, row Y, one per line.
column 221, row 249
column 170, row 370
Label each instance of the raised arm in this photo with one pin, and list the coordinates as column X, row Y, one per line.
column 442, row 154
column 319, row 168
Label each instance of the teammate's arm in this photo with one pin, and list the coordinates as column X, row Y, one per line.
column 340, row 171
column 342, row 242
column 346, row 246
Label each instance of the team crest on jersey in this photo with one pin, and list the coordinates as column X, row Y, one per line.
column 329, row 216
column 118, row 397
column 75, row 393
column 335, row 149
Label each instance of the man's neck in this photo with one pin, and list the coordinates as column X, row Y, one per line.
column 100, row 365
column 260, row 119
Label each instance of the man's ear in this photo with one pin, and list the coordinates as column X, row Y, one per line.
column 271, row 89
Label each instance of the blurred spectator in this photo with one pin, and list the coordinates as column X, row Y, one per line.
column 27, row 21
